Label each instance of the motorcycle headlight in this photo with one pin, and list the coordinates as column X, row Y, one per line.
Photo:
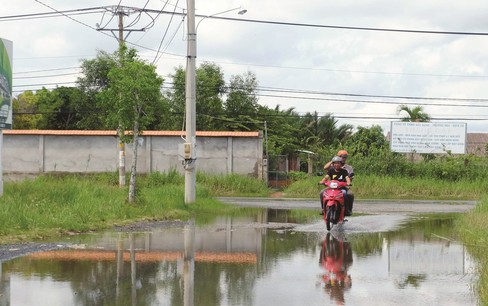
column 333, row 185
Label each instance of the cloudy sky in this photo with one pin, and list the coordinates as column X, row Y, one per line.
column 309, row 55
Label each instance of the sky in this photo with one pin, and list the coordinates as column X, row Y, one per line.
column 312, row 56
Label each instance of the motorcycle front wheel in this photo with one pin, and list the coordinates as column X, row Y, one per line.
column 331, row 214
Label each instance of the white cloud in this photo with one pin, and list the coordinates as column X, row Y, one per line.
column 305, row 58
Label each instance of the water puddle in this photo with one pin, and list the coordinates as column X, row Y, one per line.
column 266, row 257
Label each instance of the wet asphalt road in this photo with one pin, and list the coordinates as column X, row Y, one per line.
column 360, row 206
column 374, row 207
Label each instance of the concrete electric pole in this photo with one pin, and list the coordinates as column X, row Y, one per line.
column 190, row 95
column 120, row 12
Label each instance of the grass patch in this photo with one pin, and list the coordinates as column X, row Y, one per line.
column 474, row 234
column 233, row 185
column 375, row 187
column 51, row 205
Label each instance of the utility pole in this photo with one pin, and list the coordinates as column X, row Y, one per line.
column 190, row 95
column 120, row 130
column 120, row 12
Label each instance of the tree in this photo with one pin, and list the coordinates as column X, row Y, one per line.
column 328, row 131
column 415, row 114
column 132, row 93
column 60, row 108
column 322, row 131
column 95, row 72
column 241, row 106
column 25, row 110
column 283, row 130
column 210, row 86
column 309, row 129
column 95, row 79
column 367, row 141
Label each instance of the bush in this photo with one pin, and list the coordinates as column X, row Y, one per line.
column 297, row 176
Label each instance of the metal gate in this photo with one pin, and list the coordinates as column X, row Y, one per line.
column 278, row 171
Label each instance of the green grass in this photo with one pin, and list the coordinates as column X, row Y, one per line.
column 233, row 185
column 375, row 187
column 52, row 205
column 473, row 230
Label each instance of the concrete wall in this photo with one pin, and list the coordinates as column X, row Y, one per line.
column 31, row 152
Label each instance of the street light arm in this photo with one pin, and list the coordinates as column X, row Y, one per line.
column 241, row 12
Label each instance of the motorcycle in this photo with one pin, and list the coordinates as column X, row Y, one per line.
column 333, row 203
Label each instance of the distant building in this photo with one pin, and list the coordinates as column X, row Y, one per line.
column 476, row 143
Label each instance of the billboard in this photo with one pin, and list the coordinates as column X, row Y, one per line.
column 5, row 84
column 428, row 137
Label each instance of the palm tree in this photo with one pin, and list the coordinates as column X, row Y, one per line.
column 415, row 114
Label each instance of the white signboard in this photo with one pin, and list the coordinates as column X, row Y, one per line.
column 428, row 137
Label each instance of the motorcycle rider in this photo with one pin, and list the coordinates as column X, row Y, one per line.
column 338, row 173
column 343, row 154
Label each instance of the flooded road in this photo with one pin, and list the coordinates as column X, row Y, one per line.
column 257, row 257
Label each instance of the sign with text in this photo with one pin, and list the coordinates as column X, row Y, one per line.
column 5, row 84
column 428, row 137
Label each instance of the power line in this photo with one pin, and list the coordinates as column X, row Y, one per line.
column 311, row 25
column 44, row 70
column 369, row 101
column 66, row 13
column 297, row 24
column 299, row 68
column 314, row 98
column 45, row 84
column 46, row 76
column 56, row 13
column 156, row 59
column 86, row 25
column 371, row 96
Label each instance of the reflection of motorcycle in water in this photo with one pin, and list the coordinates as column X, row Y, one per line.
column 335, row 259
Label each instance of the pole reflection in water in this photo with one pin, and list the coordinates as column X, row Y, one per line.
column 335, row 260
column 251, row 259
column 133, row 269
column 189, row 263
column 4, row 286
column 120, row 264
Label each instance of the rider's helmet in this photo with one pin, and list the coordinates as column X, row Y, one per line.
column 337, row 162
column 342, row 153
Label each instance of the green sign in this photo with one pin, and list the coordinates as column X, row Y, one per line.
column 5, row 84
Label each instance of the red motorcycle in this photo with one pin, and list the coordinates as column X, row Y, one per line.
column 333, row 203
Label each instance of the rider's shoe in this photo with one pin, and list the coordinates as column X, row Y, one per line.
column 348, row 212
column 321, row 212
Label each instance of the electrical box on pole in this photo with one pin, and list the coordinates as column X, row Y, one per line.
column 186, row 151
